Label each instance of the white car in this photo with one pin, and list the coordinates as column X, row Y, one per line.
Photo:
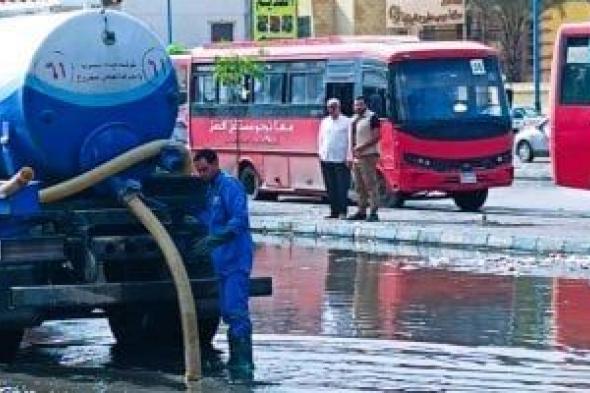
column 532, row 141
column 524, row 116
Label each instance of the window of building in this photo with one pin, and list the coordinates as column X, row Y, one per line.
column 304, row 26
column 222, row 32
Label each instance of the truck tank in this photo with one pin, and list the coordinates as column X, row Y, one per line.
column 77, row 89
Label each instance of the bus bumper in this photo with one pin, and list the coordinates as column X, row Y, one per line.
column 416, row 180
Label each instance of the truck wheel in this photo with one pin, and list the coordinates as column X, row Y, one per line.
column 470, row 201
column 251, row 181
column 133, row 327
column 10, row 343
column 395, row 199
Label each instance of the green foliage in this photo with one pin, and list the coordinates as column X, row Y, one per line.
column 176, row 49
column 232, row 70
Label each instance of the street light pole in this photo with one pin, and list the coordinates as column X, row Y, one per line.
column 536, row 55
column 169, row 14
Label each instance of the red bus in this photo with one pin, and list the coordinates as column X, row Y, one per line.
column 445, row 127
column 570, row 106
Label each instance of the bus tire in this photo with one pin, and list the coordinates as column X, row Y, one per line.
column 251, row 182
column 10, row 339
column 470, row 201
column 394, row 198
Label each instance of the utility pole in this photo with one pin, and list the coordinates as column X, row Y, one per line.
column 169, row 14
column 536, row 55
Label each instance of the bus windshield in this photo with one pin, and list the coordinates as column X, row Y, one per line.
column 450, row 98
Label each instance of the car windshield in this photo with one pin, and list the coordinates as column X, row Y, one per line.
column 528, row 112
column 451, row 95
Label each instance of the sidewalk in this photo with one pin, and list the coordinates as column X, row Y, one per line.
column 530, row 230
column 538, row 170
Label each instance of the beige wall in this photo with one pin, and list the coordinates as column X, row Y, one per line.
column 370, row 17
column 324, row 22
column 304, row 8
column 345, row 16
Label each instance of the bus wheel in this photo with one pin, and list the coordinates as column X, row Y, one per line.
column 524, row 151
column 10, row 339
column 470, row 201
column 251, row 182
column 388, row 198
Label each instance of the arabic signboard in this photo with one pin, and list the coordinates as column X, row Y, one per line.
column 408, row 13
column 274, row 19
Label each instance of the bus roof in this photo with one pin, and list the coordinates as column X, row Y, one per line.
column 575, row 28
column 384, row 48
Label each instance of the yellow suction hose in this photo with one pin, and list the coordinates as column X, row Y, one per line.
column 188, row 316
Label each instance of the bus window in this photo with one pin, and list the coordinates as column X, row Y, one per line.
column 375, row 92
column 236, row 95
column 269, row 89
column 181, row 76
column 307, row 89
column 205, row 91
column 575, row 85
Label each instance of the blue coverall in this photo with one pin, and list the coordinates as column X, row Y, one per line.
column 227, row 210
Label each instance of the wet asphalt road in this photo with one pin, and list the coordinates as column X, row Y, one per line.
column 346, row 321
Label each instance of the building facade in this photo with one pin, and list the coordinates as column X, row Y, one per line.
column 195, row 22
column 430, row 19
column 570, row 12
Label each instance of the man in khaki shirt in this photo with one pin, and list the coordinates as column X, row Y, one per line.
column 364, row 144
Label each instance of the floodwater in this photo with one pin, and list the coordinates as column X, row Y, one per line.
column 344, row 321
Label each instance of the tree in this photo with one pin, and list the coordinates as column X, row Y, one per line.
column 237, row 74
column 513, row 19
column 235, row 71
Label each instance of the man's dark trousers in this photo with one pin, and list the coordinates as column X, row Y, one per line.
column 337, row 180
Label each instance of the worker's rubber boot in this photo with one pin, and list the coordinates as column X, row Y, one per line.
column 211, row 362
column 240, row 363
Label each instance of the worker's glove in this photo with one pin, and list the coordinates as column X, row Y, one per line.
column 206, row 245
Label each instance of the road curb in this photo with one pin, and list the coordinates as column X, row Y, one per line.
column 389, row 232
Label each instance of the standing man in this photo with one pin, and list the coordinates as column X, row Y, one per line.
column 333, row 149
column 364, row 143
column 229, row 243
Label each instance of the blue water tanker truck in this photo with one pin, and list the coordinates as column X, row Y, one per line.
column 88, row 101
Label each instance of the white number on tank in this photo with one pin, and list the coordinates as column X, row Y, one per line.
column 54, row 69
column 155, row 65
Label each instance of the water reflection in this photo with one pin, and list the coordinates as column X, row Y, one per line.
column 355, row 321
column 340, row 293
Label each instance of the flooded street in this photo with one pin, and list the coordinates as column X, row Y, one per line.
column 358, row 321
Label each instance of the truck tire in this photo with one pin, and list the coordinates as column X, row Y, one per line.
column 10, row 343
column 470, row 201
column 159, row 326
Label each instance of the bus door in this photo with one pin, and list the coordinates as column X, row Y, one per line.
column 374, row 85
column 571, row 113
column 340, row 80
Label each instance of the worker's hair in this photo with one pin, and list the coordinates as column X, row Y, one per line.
column 360, row 98
column 208, row 155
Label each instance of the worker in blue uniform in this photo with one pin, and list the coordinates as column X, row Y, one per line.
column 229, row 243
